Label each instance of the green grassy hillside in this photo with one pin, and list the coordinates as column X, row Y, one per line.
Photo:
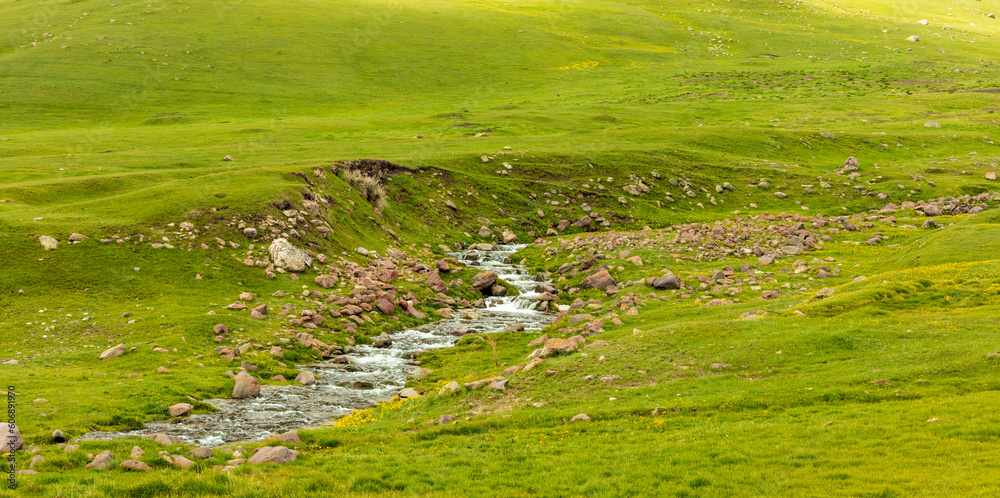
column 115, row 119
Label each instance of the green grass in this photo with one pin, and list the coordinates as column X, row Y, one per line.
column 119, row 130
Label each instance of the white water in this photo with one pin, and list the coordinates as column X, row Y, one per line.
column 373, row 375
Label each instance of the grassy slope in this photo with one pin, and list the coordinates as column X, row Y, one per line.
column 103, row 139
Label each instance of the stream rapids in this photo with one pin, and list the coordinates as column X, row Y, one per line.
column 373, row 375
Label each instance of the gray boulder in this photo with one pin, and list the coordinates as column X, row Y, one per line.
column 201, row 453
column 931, row 210
column 667, row 282
column 305, row 378
column 382, row 341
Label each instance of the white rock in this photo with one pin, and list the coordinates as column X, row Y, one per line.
column 288, row 257
column 48, row 243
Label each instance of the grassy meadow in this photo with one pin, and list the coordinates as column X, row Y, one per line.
column 115, row 119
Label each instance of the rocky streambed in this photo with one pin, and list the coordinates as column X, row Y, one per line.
column 373, row 374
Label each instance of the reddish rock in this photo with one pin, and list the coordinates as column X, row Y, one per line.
column 435, row 283
column 135, row 465
column 246, row 386
column 326, row 281
column 600, row 280
column 484, row 280
column 350, row 310
column 532, row 364
column 385, row 306
column 480, row 383
column 273, row 454
column 180, row 409
column 558, row 346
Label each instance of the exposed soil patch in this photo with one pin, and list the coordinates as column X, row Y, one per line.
column 376, row 168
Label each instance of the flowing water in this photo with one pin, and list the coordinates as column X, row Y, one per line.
column 373, row 375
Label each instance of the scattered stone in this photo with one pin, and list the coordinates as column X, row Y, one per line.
column 287, row 257
column 582, row 417
column 164, row 439
column 201, row 453
column 100, row 461
column 484, row 280
column 931, row 210
column 435, row 282
column 246, row 386
column 409, row 392
column 476, row 384
column 558, row 346
column 325, row 281
column 58, row 437
column 11, row 440
column 113, row 352
column 930, row 223
column 382, row 341
column 290, row 437
column 538, row 341
column 511, row 370
column 48, row 243
column 180, row 409
column 825, row 292
column 547, row 296
column 913, row 38
column 450, row 388
column 135, row 465
column 669, row 281
column 305, row 378
column 180, row 461
column 445, row 419
column 385, row 306
column 601, row 280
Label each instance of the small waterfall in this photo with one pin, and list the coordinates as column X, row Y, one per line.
column 499, row 261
